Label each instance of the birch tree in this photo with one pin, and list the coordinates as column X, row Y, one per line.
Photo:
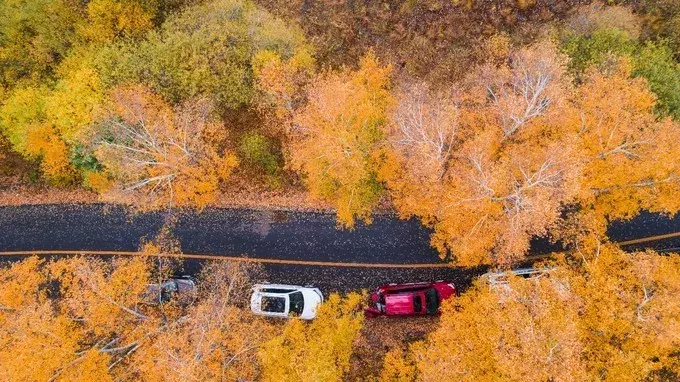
column 476, row 163
column 163, row 157
column 87, row 319
column 528, row 156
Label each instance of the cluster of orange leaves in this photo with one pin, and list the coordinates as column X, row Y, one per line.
column 160, row 157
column 498, row 160
column 84, row 319
column 614, row 316
column 87, row 319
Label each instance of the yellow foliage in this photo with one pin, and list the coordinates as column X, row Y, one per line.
column 615, row 318
column 44, row 142
column 336, row 143
column 97, row 182
column 76, row 101
column 398, row 367
column 316, row 351
column 80, row 319
column 109, row 19
column 44, row 123
column 162, row 157
column 20, row 283
column 631, row 158
column 281, row 82
column 495, row 163
column 488, row 167
column 526, row 4
column 21, row 113
column 93, row 366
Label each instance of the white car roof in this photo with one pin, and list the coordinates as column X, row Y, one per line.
column 312, row 298
column 496, row 278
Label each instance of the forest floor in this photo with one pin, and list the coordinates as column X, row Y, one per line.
column 15, row 191
column 380, row 335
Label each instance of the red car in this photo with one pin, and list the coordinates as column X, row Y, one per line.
column 415, row 299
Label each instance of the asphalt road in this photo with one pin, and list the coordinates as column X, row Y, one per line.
column 272, row 235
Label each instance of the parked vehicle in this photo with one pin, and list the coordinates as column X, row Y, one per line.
column 182, row 288
column 278, row 300
column 501, row 278
column 414, row 299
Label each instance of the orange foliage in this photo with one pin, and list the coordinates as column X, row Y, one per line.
column 83, row 319
column 337, row 136
column 281, row 83
column 496, row 163
column 487, row 167
column 163, row 157
column 615, row 318
column 319, row 350
column 45, row 142
column 631, row 157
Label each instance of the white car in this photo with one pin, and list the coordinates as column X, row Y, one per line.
column 501, row 278
column 278, row 300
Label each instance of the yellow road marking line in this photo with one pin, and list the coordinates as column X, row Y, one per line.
column 299, row 262
column 650, row 238
column 230, row 258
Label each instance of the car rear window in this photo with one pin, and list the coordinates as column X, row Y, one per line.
column 417, row 303
column 273, row 304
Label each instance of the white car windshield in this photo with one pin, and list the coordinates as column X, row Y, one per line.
column 297, row 302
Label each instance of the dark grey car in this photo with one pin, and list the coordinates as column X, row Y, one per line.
column 182, row 288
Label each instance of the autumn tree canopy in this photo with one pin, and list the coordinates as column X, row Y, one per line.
column 85, row 319
column 497, row 161
column 158, row 156
column 337, row 138
column 611, row 317
column 316, row 351
column 60, row 61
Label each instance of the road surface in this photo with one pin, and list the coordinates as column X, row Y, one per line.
column 281, row 236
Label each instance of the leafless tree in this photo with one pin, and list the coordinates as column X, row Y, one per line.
column 532, row 85
column 154, row 151
column 425, row 128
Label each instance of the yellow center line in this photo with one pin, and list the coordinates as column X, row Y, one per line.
column 229, row 258
column 650, row 238
column 295, row 262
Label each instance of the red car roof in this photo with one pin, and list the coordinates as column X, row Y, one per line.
column 399, row 303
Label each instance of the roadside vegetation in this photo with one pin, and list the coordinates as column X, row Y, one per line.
column 493, row 122
column 78, row 319
column 608, row 315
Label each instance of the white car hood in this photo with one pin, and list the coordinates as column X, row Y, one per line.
column 312, row 302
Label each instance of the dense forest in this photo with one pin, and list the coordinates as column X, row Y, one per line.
column 490, row 121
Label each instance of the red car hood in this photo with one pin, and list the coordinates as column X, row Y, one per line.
column 399, row 304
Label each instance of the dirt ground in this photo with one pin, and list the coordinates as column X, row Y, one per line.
column 14, row 192
column 382, row 334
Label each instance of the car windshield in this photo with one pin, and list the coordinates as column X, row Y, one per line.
column 417, row 303
column 276, row 290
column 432, row 301
column 297, row 302
column 381, row 304
column 273, row 304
